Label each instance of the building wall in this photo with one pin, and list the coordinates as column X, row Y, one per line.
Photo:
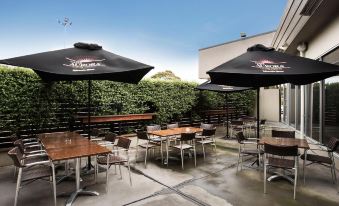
column 269, row 104
column 212, row 57
column 325, row 40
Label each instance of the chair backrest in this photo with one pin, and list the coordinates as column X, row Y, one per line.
column 206, row 126
column 153, row 128
column 187, row 136
column 283, row 134
column 124, row 142
column 208, row 132
column 281, row 150
column 240, row 137
column 14, row 137
column 142, row 135
column 332, row 144
column 16, row 156
column 18, row 143
column 237, row 122
column 171, row 126
column 110, row 136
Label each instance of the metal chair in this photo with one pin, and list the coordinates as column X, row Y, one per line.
column 331, row 146
column 172, row 126
column 143, row 136
column 247, row 147
column 187, row 142
column 116, row 159
column 30, row 171
column 277, row 160
column 283, row 134
column 207, row 137
column 157, row 139
column 108, row 139
column 236, row 126
column 206, row 126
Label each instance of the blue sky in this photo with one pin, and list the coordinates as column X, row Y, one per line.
column 165, row 34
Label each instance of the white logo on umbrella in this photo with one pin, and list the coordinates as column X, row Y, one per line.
column 84, row 63
column 270, row 66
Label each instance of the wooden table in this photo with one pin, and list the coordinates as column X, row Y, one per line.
column 173, row 132
column 71, row 145
column 301, row 143
column 117, row 118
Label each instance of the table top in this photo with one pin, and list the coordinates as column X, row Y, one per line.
column 58, row 140
column 175, row 131
column 301, row 143
column 117, row 118
column 69, row 145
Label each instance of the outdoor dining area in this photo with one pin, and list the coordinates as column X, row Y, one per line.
column 241, row 160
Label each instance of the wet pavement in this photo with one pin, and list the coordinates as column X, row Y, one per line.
column 213, row 182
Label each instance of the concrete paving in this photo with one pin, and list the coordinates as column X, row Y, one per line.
column 213, row 182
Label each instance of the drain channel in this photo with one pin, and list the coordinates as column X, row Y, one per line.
column 172, row 189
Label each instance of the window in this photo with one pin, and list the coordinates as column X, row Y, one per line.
column 331, row 119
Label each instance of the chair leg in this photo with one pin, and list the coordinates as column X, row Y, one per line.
column 295, row 182
column 238, row 159
column 146, row 156
column 162, row 155
column 304, row 164
column 15, row 171
column 265, row 177
column 107, row 173
column 54, row 184
column 215, row 149
column 195, row 157
column 18, row 184
column 334, row 172
column 129, row 172
column 182, row 159
column 203, row 150
column 120, row 171
column 136, row 152
column 167, row 146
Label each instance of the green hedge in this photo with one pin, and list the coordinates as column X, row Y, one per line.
column 28, row 101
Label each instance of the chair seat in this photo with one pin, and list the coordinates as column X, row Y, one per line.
column 36, row 172
column 157, row 139
column 113, row 159
column 317, row 158
column 206, row 141
column 183, row 146
column 281, row 163
column 30, row 160
column 147, row 146
column 252, row 151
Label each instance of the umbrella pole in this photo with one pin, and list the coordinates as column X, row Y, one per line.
column 226, row 99
column 258, row 113
column 89, row 165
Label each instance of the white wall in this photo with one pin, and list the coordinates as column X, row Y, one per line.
column 326, row 39
column 269, row 104
column 212, row 57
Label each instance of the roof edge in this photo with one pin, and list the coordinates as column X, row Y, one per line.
column 241, row 39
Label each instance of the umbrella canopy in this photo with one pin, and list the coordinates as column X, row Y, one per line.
column 261, row 66
column 220, row 88
column 83, row 62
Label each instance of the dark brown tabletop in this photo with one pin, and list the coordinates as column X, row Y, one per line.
column 59, row 140
column 301, row 143
column 69, row 145
column 175, row 131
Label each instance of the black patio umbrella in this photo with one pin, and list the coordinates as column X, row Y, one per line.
column 222, row 89
column 261, row 66
column 83, row 62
